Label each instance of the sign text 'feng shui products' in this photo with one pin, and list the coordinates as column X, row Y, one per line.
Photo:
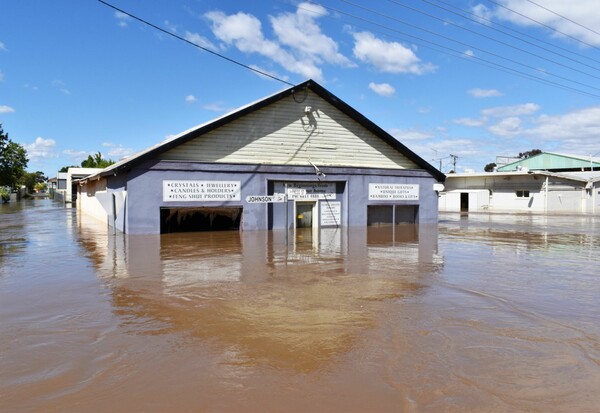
column 211, row 191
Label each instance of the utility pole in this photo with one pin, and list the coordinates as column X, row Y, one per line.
column 454, row 158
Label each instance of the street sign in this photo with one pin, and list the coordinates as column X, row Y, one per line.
column 265, row 199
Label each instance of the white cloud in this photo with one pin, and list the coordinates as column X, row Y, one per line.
column 199, row 40
column 300, row 32
column 122, row 18
column 117, row 150
column 575, row 132
column 507, row 127
column 1, row 76
column 6, row 109
column 244, row 31
column 60, row 85
column 469, row 53
column 2, row 46
column 41, row 148
column 215, row 107
column 584, row 12
column 268, row 72
column 403, row 135
column 76, row 155
column 470, row 122
column 511, row 111
column 391, row 57
column 191, row 99
column 483, row 13
column 172, row 27
column 457, row 146
column 383, row 89
column 581, row 125
column 484, row 93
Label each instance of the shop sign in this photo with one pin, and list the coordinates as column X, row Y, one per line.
column 331, row 213
column 205, row 191
column 299, row 191
column 394, row 192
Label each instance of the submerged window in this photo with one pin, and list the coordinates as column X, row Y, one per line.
column 383, row 215
column 523, row 194
column 199, row 219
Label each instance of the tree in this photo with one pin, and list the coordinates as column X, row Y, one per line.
column 13, row 160
column 489, row 167
column 32, row 179
column 96, row 161
column 66, row 168
column 41, row 187
column 529, row 154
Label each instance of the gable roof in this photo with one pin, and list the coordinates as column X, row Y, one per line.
column 197, row 131
column 551, row 161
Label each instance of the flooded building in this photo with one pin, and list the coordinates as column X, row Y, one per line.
column 543, row 183
column 299, row 158
column 65, row 187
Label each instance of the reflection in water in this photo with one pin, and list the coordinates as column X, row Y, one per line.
column 352, row 320
column 295, row 305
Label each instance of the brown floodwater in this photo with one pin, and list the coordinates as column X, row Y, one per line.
column 485, row 313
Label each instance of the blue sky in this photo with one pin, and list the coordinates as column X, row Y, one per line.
column 77, row 77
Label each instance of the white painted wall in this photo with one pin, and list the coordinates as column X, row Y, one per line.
column 562, row 195
column 89, row 200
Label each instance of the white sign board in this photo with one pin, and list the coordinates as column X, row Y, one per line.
column 206, row 191
column 311, row 190
column 265, row 199
column 296, row 192
column 331, row 213
column 394, row 192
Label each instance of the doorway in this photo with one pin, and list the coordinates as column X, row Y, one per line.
column 199, row 219
column 464, row 201
column 305, row 214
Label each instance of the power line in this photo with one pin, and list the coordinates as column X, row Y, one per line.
column 563, row 17
column 490, row 23
column 454, row 52
column 543, row 24
column 545, row 72
column 482, row 35
column 194, row 44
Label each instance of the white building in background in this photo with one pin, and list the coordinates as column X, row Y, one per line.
column 65, row 190
column 545, row 183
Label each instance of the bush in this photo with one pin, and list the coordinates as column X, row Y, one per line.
column 4, row 194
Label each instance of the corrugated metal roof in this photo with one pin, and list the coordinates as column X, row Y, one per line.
column 550, row 161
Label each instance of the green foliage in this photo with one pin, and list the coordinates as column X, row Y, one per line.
column 96, row 161
column 31, row 179
column 41, row 187
column 4, row 194
column 13, row 161
column 529, row 154
column 489, row 167
column 66, row 168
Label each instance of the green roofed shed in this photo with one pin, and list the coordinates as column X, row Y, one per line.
column 553, row 162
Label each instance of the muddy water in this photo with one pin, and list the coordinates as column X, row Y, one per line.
column 490, row 313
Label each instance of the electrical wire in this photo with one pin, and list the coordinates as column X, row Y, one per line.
column 563, row 17
column 490, row 25
column 454, row 52
column 544, row 24
column 458, row 53
column 194, row 44
column 482, row 35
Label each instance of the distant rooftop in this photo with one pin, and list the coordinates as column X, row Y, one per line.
column 552, row 162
